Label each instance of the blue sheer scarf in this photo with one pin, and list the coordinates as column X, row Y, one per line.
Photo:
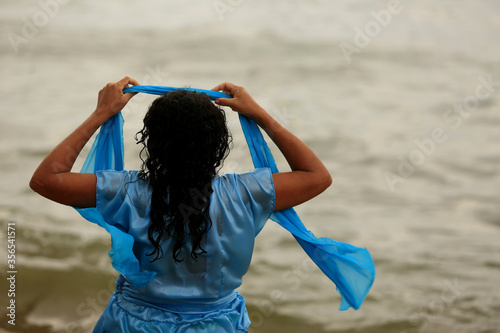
column 350, row 268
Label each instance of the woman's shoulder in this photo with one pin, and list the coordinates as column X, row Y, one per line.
column 119, row 176
column 110, row 181
column 119, row 187
column 119, row 173
column 263, row 173
column 247, row 194
column 254, row 181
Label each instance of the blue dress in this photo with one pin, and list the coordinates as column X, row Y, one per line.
column 190, row 296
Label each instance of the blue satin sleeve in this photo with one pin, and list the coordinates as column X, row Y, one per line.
column 121, row 197
column 249, row 195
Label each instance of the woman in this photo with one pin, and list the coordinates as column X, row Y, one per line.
column 192, row 227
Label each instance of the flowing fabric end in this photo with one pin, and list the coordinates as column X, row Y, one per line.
column 107, row 153
column 349, row 267
column 122, row 257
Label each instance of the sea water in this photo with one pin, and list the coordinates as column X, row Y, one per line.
column 400, row 99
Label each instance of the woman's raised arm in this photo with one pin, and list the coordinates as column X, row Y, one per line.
column 53, row 178
column 308, row 178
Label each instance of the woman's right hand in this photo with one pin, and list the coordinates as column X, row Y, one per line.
column 241, row 102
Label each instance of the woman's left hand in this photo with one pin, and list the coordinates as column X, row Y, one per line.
column 111, row 98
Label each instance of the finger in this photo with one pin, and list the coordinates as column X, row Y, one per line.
column 134, row 82
column 128, row 96
column 226, row 87
column 218, row 87
column 224, row 102
column 123, row 83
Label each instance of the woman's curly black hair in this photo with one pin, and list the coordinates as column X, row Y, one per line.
column 185, row 141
